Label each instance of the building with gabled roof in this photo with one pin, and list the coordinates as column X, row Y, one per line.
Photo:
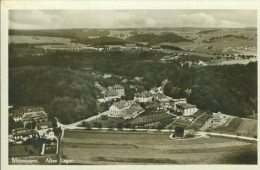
column 162, row 97
column 119, row 89
column 164, row 101
column 44, row 129
column 130, row 46
column 202, row 63
column 154, row 90
column 23, row 134
column 106, row 75
column 124, row 80
column 143, row 97
column 37, row 116
column 111, row 93
column 125, row 109
column 138, row 79
column 118, row 107
column 166, row 58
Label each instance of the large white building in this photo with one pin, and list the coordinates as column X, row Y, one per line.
column 118, row 107
column 143, row 97
column 125, row 109
column 186, row 109
column 119, row 89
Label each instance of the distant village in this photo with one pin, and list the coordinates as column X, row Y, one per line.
column 172, row 49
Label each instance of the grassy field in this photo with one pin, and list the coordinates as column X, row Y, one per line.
column 92, row 147
column 240, row 126
column 37, row 39
column 247, row 128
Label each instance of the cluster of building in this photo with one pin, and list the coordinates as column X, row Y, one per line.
column 246, row 48
column 166, row 103
column 36, row 125
column 217, row 119
column 76, row 47
column 153, row 99
column 175, row 57
column 110, row 93
column 72, row 47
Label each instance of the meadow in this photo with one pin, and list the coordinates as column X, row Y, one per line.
column 240, row 127
column 96, row 147
column 17, row 39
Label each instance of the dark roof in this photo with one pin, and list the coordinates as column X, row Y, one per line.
column 162, row 96
column 144, row 94
column 25, row 132
column 136, row 107
column 185, row 105
column 111, row 93
column 44, row 125
column 121, row 104
column 117, row 86
column 130, row 45
column 20, row 130
column 129, row 112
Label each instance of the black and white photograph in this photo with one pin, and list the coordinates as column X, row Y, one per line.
column 132, row 87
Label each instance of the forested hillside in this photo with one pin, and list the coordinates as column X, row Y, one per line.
column 157, row 39
column 65, row 94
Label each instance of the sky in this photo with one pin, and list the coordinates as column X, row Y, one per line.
column 64, row 19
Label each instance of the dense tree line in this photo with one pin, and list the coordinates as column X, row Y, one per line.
column 207, row 31
column 157, row 39
column 64, row 33
column 66, row 94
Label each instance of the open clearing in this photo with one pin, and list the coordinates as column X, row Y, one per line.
column 239, row 126
column 17, row 39
column 247, row 127
column 96, row 147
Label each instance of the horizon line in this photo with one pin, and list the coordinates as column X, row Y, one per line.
column 129, row 28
